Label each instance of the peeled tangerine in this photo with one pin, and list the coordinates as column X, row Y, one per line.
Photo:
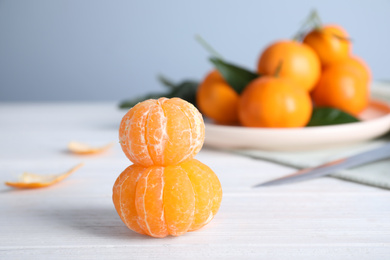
column 160, row 201
column 166, row 191
column 161, row 132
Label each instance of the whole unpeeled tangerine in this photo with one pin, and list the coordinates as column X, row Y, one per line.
column 160, row 201
column 274, row 102
column 343, row 88
column 330, row 42
column 296, row 62
column 217, row 100
column 161, row 132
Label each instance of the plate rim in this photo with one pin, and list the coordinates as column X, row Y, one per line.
column 357, row 132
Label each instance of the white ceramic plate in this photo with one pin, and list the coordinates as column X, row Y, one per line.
column 375, row 122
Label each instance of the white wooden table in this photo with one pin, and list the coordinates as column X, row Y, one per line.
column 319, row 219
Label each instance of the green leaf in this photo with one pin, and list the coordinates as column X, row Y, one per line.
column 330, row 116
column 185, row 90
column 312, row 21
column 237, row 77
column 166, row 82
column 134, row 101
column 208, row 47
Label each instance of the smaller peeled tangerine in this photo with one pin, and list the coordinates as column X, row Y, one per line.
column 160, row 201
column 161, row 132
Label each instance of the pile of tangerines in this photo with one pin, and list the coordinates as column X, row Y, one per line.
column 295, row 76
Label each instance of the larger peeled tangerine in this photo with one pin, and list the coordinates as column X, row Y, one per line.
column 161, row 132
column 160, row 201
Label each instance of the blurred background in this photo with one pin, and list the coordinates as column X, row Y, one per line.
column 93, row 50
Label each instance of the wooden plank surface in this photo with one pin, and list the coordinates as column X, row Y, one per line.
column 319, row 219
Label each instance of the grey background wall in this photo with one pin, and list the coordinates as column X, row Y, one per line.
column 110, row 50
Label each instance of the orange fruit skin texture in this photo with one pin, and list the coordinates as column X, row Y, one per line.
column 327, row 42
column 160, row 201
column 217, row 100
column 274, row 102
column 161, row 132
column 357, row 65
column 298, row 62
column 341, row 87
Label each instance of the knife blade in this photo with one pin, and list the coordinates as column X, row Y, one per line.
column 376, row 154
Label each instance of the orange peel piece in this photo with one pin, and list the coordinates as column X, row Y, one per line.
column 82, row 148
column 31, row 180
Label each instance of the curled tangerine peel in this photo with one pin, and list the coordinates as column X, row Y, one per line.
column 160, row 201
column 83, row 148
column 161, row 132
column 31, row 181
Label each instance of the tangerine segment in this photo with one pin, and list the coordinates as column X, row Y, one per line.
column 217, row 100
column 30, row 180
column 207, row 189
column 149, row 202
column 156, row 136
column 184, row 127
column 179, row 200
column 161, row 132
column 124, row 194
column 82, row 148
column 132, row 133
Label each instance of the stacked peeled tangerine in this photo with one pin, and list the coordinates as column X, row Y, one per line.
column 166, row 191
